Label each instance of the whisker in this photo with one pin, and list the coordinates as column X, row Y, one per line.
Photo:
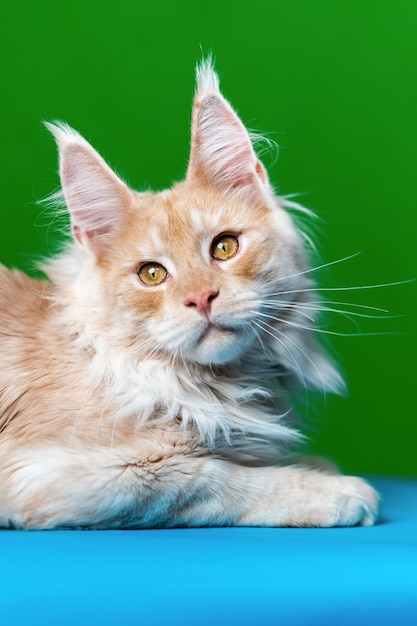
column 259, row 337
column 352, row 288
column 273, row 304
column 264, row 328
column 290, row 339
column 318, row 267
column 361, row 306
column 273, row 316
column 326, row 309
column 356, row 314
column 334, row 333
column 319, row 310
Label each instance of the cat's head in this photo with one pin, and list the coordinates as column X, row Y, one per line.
column 208, row 272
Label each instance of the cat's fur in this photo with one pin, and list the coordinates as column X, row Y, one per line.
column 124, row 405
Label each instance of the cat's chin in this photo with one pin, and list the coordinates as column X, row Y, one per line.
column 219, row 345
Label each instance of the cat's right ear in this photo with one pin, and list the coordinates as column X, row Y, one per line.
column 221, row 149
column 95, row 197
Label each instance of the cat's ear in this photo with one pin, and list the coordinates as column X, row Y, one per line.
column 221, row 150
column 95, row 197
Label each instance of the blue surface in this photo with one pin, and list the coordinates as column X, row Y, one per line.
column 218, row 576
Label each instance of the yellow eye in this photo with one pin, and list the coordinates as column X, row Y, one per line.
column 152, row 274
column 224, row 247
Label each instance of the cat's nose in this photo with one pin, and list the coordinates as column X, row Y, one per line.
column 202, row 300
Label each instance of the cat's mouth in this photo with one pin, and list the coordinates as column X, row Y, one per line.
column 213, row 328
column 218, row 343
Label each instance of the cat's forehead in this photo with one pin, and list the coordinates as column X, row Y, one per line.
column 182, row 214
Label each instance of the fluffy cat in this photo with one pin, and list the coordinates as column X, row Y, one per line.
column 145, row 383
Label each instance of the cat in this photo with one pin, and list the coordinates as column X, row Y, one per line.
column 146, row 382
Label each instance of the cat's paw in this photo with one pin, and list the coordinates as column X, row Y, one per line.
column 355, row 502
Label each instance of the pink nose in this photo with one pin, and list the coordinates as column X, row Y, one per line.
column 202, row 301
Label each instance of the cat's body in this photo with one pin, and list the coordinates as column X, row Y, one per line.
column 138, row 387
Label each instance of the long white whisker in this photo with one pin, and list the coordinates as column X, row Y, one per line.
column 259, row 337
column 263, row 326
column 273, row 304
column 274, row 318
column 319, row 310
column 360, row 306
column 353, row 288
column 331, row 332
column 290, row 339
column 356, row 314
column 318, row 267
column 304, row 305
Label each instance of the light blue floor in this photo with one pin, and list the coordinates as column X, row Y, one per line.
column 224, row 576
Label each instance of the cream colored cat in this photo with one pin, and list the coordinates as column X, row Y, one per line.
column 145, row 384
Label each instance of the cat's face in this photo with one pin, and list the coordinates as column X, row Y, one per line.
column 192, row 268
column 203, row 271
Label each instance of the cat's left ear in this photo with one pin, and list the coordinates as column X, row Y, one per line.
column 95, row 196
column 221, row 150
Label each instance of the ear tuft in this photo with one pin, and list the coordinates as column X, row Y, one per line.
column 207, row 81
column 63, row 133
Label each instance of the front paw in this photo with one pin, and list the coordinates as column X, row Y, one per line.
column 355, row 503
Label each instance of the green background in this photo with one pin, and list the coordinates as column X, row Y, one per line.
column 332, row 81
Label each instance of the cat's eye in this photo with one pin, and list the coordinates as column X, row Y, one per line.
column 152, row 274
column 224, row 247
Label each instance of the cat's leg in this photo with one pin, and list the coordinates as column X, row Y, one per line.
column 278, row 496
column 49, row 488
